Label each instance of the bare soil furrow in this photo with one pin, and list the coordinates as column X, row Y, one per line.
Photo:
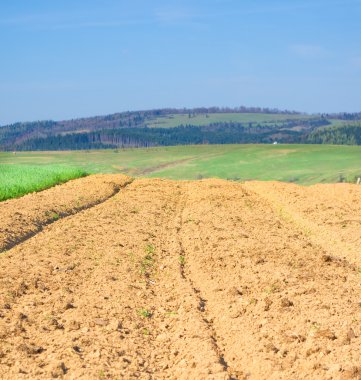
column 327, row 214
column 99, row 294
column 195, row 293
column 202, row 307
column 185, row 280
column 281, row 306
column 23, row 218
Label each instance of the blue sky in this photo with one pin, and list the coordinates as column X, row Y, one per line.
column 72, row 58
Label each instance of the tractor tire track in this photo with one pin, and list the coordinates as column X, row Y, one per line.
column 202, row 305
column 195, row 292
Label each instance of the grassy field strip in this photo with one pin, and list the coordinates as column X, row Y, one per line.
column 303, row 164
column 293, row 163
column 18, row 180
column 203, row 119
column 153, row 171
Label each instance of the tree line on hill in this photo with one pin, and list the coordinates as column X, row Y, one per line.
column 215, row 133
column 130, row 129
column 339, row 135
column 344, row 116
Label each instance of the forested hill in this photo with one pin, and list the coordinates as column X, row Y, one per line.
column 183, row 126
column 348, row 134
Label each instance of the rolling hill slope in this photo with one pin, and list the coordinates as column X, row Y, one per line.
column 167, row 127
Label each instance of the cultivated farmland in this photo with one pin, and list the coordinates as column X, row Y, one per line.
column 153, row 278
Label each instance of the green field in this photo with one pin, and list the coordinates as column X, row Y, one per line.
column 171, row 121
column 18, row 180
column 303, row 164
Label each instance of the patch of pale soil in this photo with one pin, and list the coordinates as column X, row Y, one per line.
column 329, row 214
column 281, row 305
column 100, row 295
column 24, row 217
column 181, row 280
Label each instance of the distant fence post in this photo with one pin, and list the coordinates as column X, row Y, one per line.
column 358, row 180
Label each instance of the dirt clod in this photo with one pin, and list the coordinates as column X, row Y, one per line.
column 270, row 347
column 31, row 349
column 325, row 333
column 59, row 370
column 285, row 302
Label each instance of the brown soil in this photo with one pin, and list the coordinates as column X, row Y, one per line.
column 185, row 280
column 24, row 217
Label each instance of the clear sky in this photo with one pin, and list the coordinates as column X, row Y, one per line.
column 72, row 58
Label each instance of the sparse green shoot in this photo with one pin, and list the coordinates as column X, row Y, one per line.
column 144, row 313
column 182, row 260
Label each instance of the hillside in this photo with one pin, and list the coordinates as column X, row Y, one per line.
column 344, row 133
column 168, row 127
column 181, row 280
column 173, row 127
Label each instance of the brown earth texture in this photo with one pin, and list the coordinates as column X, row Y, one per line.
column 112, row 278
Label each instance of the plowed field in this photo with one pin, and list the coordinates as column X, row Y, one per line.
column 112, row 278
